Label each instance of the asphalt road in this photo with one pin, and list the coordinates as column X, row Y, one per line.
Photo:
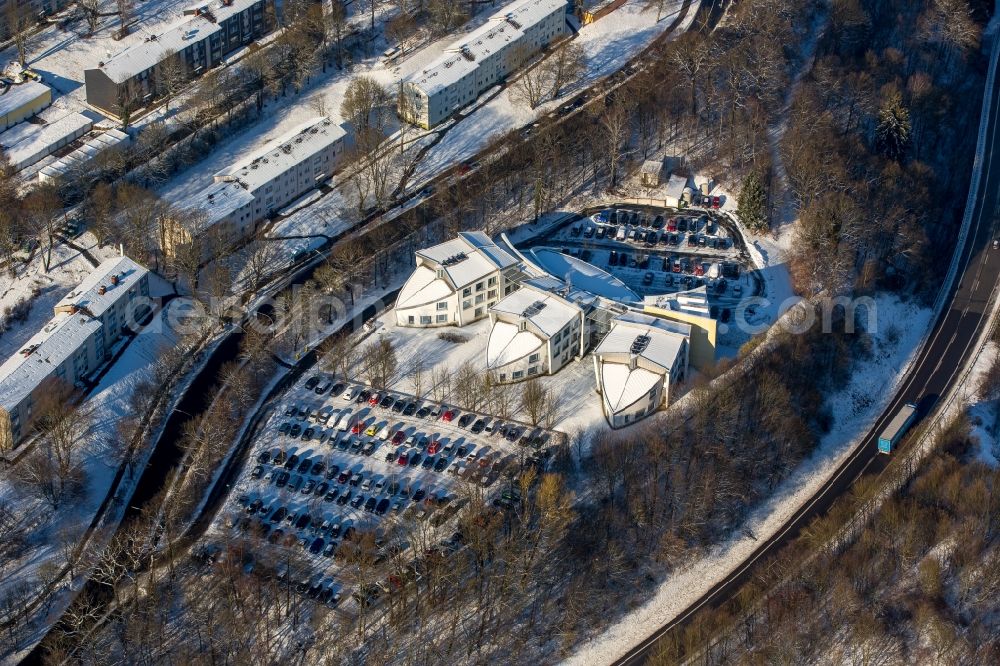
column 953, row 336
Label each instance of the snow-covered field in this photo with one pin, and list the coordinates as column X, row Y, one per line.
column 854, row 408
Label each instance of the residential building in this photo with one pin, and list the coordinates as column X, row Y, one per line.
column 22, row 100
column 200, row 41
column 689, row 307
column 78, row 339
column 456, row 282
column 481, row 59
column 244, row 195
column 636, row 362
column 537, row 330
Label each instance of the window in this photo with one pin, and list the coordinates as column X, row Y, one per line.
column 533, row 358
column 409, row 319
column 425, row 319
column 479, row 298
column 492, row 282
column 492, row 293
column 517, row 374
column 466, row 304
column 479, row 286
column 479, row 312
column 443, row 305
column 442, row 319
column 533, row 370
column 467, row 292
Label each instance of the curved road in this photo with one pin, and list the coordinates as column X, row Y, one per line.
column 953, row 335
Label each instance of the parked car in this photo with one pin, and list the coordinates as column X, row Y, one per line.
column 311, row 383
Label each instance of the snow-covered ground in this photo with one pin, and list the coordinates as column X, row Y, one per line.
column 854, row 408
column 43, row 289
column 983, row 413
column 608, row 44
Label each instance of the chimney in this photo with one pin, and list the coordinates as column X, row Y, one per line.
column 114, row 279
column 102, row 290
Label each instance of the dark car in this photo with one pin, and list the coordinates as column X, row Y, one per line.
column 303, row 521
column 282, row 479
column 658, row 222
column 295, row 430
column 478, row 426
column 382, row 506
column 386, row 402
column 279, row 515
column 264, row 457
column 311, row 383
column 318, row 468
column 410, row 409
column 331, row 495
column 292, row 461
column 440, row 464
column 322, row 387
column 423, row 412
column 308, row 487
column 419, row 495
column 257, row 472
column 322, row 489
column 414, row 460
column 428, row 462
column 332, row 473
column 363, row 396
column 398, row 405
column 338, row 388
column 465, row 420
column 358, row 501
column 371, row 504
column 343, row 499
column 317, row 546
column 308, row 433
column 390, row 456
column 330, row 549
column 304, row 466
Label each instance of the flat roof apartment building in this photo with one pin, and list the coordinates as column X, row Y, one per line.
column 253, row 189
column 208, row 33
column 78, row 339
column 480, row 60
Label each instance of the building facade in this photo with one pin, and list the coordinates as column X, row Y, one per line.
column 78, row 339
column 455, row 283
column 480, row 60
column 636, row 362
column 537, row 329
column 21, row 101
column 207, row 34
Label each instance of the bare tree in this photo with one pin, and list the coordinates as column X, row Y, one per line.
column 124, row 9
column 531, row 86
column 535, row 401
column 91, row 10
column 19, row 22
column 380, row 363
column 565, row 67
column 367, row 104
column 171, row 77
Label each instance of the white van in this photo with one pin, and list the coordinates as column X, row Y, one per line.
column 620, row 236
column 384, row 433
column 345, row 421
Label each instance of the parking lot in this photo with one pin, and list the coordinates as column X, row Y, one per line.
column 338, row 459
column 664, row 252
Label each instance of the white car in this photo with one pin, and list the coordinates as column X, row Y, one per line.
column 384, row 433
column 350, row 394
column 345, row 421
column 379, row 486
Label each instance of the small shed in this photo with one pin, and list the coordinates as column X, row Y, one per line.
column 650, row 173
column 675, row 190
column 22, row 101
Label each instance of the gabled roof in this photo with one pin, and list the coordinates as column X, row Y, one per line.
column 422, row 287
column 87, row 294
column 462, row 57
column 156, row 48
column 546, row 311
column 469, row 257
column 38, row 359
column 633, row 334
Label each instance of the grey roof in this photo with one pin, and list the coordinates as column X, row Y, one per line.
column 20, row 94
column 545, row 310
column 301, row 143
column 663, row 342
column 85, row 153
column 156, row 48
column 213, row 204
column 87, row 293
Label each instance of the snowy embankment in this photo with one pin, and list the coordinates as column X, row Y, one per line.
column 854, row 408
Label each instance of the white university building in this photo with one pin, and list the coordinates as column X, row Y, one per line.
column 78, row 339
column 481, row 59
column 537, row 330
column 456, row 282
column 252, row 190
column 636, row 362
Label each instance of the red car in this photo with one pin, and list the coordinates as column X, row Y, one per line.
column 404, row 459
column 434, row 447
column 374, row 400
column 699, row 269
column 356, row 428
column 715, row 202
column 448, row 415
column 398, row 437
column 672, row 224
